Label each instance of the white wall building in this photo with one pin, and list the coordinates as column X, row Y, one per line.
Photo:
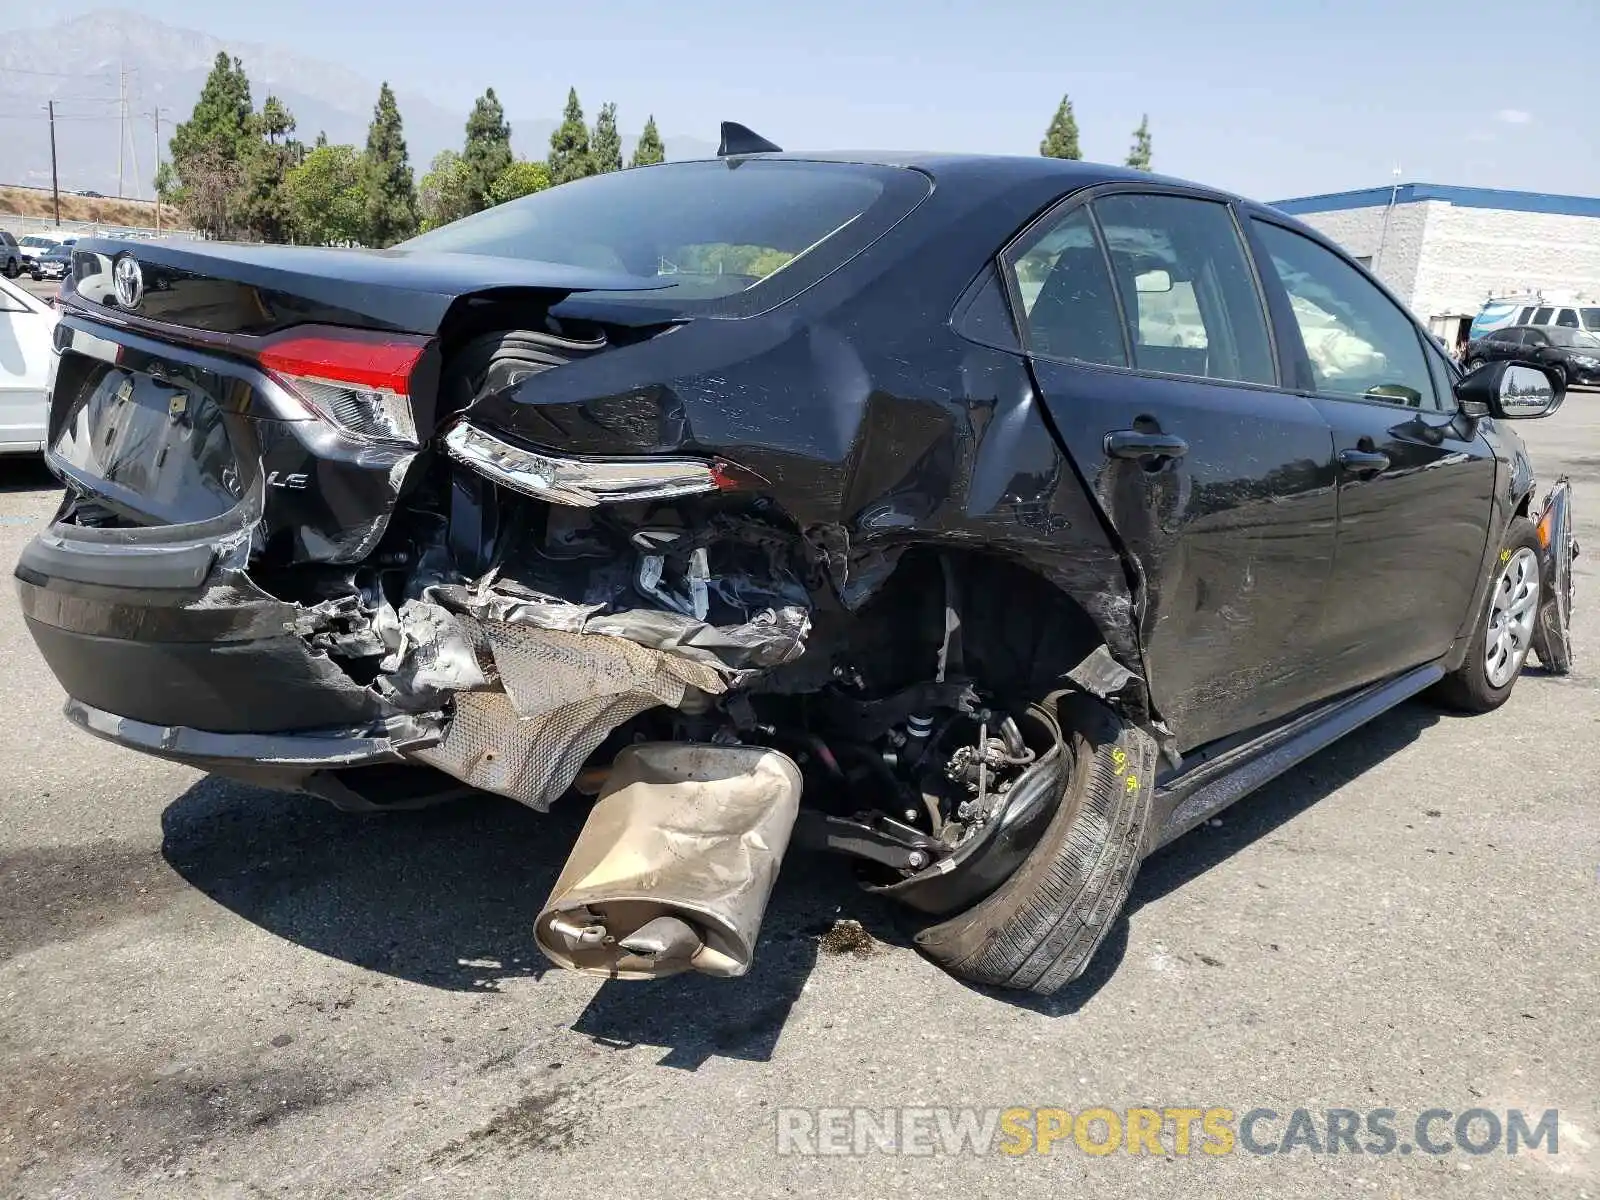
column 1445, row 250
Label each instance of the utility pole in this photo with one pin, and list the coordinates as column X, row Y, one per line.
column 122, row 121
column 55, row 185
column 157, row 116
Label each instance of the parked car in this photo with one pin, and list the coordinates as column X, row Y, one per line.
column 1571, row 355
column 1509, row 311
column 11, row 255
column 836, row 500
column 54, row 263
column 33, row 245
column 26, row 327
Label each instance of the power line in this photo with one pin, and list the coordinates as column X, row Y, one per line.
column 58, row 74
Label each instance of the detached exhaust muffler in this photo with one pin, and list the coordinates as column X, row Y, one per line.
column 673, row 869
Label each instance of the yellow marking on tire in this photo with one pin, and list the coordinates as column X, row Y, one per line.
column 1132, row 784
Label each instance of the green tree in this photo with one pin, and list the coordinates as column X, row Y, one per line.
column 488, row 148
column 275, row 121
column 446, row 191
column 1061, row 139
column 263, row 202
column 649, row 151
column 1139, row 152
column 570, row 157
column 209, row 151
column 221, row 119
column 521, row 178
column 327, row 198
column 391, row 188
column 605, row 148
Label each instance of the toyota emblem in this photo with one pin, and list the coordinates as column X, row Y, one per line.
column 129, row 281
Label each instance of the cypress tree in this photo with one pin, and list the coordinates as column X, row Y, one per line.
column 1139, row 152
column 1061, row 139
column 570, row 157
column 488, row 149
column 391, row 199
column 649, row 151
column 606, row 146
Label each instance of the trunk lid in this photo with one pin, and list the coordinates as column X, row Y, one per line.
column 229, row 288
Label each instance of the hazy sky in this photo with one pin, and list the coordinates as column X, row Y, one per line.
column 1273, row 98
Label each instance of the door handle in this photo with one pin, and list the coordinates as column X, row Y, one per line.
column 1131, row 443
column 1364, row 462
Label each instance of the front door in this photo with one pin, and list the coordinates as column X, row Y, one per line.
column 1416, row 480
column 1148, row 340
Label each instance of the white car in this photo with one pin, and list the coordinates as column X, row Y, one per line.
column 27, row 327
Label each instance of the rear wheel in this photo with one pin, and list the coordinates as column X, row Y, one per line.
column 1474, row 363
column 1505, row 630
column 12, row 270
column 1039, row 929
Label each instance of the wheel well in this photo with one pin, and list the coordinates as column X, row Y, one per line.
column 1019, row 633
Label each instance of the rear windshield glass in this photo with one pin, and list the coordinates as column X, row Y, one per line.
column 715, row 229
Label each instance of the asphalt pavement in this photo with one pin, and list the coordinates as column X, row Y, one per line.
column 213, row 991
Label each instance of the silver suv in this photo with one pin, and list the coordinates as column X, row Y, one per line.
column 10, row 255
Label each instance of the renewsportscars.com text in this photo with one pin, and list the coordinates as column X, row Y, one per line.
column 1214, row 1131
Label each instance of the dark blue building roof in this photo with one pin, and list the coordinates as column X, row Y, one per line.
column 1462, row 197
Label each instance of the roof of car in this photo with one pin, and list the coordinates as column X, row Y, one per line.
column 1015, row 166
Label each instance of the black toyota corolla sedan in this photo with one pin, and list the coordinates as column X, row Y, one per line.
column 990, row 521
column 1571, row 355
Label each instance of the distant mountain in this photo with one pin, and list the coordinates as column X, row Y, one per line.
column 167, row 67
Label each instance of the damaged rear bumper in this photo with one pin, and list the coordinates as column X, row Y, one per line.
column 285, row 759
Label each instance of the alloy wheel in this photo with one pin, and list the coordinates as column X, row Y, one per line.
column 1513, row 608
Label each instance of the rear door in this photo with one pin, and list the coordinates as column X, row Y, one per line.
column 1149, row 341
column 1416, row 482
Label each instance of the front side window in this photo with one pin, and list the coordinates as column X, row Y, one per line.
column 1359, row 343
column 1591, row 318
column 1575, row 339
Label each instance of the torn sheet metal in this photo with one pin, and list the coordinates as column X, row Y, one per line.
column 538, row 682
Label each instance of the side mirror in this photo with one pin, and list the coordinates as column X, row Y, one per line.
column 1509, row 390
column 1153, row 282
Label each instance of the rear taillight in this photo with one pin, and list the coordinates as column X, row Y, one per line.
column 585, row 483
column 359, row 381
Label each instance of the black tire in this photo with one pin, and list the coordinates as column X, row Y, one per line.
column 1474, row 363
column 1468, row 689
column 1559, row 370
column 12, row 270
column 1552, row 634
column 1039, row 929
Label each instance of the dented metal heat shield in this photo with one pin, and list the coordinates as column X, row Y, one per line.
column 674, row 867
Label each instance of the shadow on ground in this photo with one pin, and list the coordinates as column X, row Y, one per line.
column 26, row 473
column 447, row 897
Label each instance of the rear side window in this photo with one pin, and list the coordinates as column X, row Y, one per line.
column 1359, row 343
column 714, row 229
column 1167, row 289
column 1542, row 317
column 1068, row 303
